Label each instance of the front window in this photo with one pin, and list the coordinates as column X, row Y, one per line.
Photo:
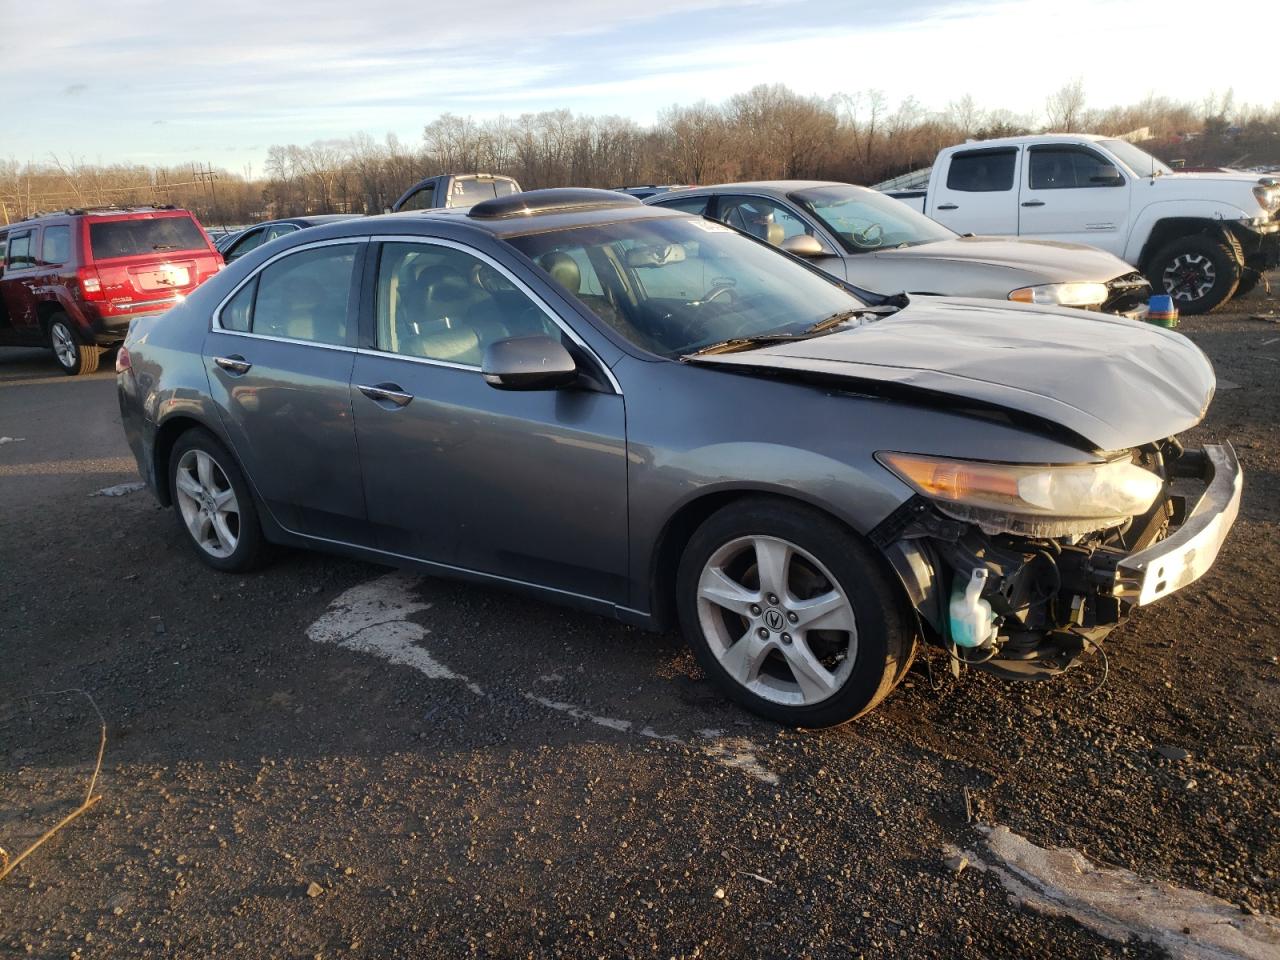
column 865, row 220
column 1139, row 162
column 129, row 238
column 673, row 286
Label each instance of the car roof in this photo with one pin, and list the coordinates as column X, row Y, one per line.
column 777, row 188
column 604, row 207
column 1030, row 138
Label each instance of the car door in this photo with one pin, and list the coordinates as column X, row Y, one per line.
column 980, row 193
column 279, row 358
column 529, row 486
column 774, row 221
column 17, row 286
column 1071, row 192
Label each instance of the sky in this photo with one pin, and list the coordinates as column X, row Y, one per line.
column 169, row 83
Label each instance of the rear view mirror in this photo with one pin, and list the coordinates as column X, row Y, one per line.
column 658, row 255
column 803, row 245
column 528, row 363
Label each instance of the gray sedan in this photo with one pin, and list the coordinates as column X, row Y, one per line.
column 881, row 244
column 650, row 416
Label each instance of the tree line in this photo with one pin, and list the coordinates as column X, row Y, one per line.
column 769, row 132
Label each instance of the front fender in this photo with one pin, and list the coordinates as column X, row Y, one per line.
column 1211, row 212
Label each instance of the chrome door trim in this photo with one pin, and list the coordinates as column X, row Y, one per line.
column 216, row 320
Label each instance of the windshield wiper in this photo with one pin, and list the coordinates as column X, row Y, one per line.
column 824, row 325
column 164, row 246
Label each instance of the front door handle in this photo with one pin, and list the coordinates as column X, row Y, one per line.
column 1033, row 203
column 235, row 364
column 384, row 393
column 948, row 206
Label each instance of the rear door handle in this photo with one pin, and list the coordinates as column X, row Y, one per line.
column 1033, row 203
column 234, row 364
column 386, row 393
column 947, row 206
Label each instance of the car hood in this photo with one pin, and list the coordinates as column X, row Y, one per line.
column 1113, row 382
column 1054, row 260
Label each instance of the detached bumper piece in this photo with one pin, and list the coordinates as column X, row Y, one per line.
column 1185, row 556
column 1051, row 601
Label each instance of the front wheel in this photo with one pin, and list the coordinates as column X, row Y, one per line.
column 794, row 617
column 1199, row 272
column 74, row 356
column 213, row 503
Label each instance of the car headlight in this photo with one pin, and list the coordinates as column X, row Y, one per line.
column 1079, row 294
column 1268, row 195
column 1034, row 499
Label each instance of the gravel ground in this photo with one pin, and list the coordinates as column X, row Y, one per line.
column 550, row 784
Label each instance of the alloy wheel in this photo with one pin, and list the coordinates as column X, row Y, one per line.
column 777, row 621
column 1189, row 277
column 64, row 345
column 208, row 503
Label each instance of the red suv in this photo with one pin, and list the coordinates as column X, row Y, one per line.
column 72, row 281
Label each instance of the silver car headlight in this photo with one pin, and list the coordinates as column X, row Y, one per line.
column 1037, row 500
column 1268, row 195
column 1075, row 294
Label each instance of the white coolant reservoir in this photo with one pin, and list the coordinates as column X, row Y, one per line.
column 972, row 622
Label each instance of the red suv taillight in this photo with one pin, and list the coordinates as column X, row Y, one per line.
column 90, row 283
column 123, row 362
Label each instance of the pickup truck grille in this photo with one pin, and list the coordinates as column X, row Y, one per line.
column 1126, row 293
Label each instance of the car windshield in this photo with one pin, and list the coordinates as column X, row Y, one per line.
column 672, row 286
column 127, row 238
column 1139, row 162
column 864, row 220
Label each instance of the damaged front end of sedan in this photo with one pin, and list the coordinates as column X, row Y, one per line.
column 1020, row 569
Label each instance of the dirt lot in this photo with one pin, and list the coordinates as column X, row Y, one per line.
column 327, row 759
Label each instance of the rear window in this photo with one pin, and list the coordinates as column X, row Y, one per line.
column 982, row 171
column 130, row 238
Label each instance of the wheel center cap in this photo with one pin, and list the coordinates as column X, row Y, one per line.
column 774, row 620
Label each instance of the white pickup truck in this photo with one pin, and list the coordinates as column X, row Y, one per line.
column 1202, row 237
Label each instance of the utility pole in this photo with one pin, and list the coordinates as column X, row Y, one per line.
column 206, row 174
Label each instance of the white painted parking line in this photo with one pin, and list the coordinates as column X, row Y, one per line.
column 374, row 617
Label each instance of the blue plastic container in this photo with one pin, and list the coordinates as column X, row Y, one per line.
column 1161, row 311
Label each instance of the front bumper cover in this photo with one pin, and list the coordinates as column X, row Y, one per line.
column 1187, row 554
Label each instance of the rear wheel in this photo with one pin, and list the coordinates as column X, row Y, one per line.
column 213, row 503
column 73, row 354
column 793, row 617
column 1199, row 272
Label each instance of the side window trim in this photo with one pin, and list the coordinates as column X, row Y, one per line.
column 30, row 233
column 985, row 151
column 1076, row 148
column 357, row 271
column 515, row 281
column 814, row 229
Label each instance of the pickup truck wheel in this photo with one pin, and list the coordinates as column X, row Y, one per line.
column 793, row 617
column 74, row 356
column 1201, row 273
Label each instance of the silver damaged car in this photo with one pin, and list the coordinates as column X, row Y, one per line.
column 649, row 416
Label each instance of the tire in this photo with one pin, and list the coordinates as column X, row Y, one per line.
column 1200, row 272
column 74, row 356
column 797, row 675
column 213, row 504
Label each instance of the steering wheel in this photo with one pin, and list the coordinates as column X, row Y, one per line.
column 872, row 236
column 719, row 290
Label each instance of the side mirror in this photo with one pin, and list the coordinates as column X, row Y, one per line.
column 1105, row 175
column 804, row 245
column 528, row 363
